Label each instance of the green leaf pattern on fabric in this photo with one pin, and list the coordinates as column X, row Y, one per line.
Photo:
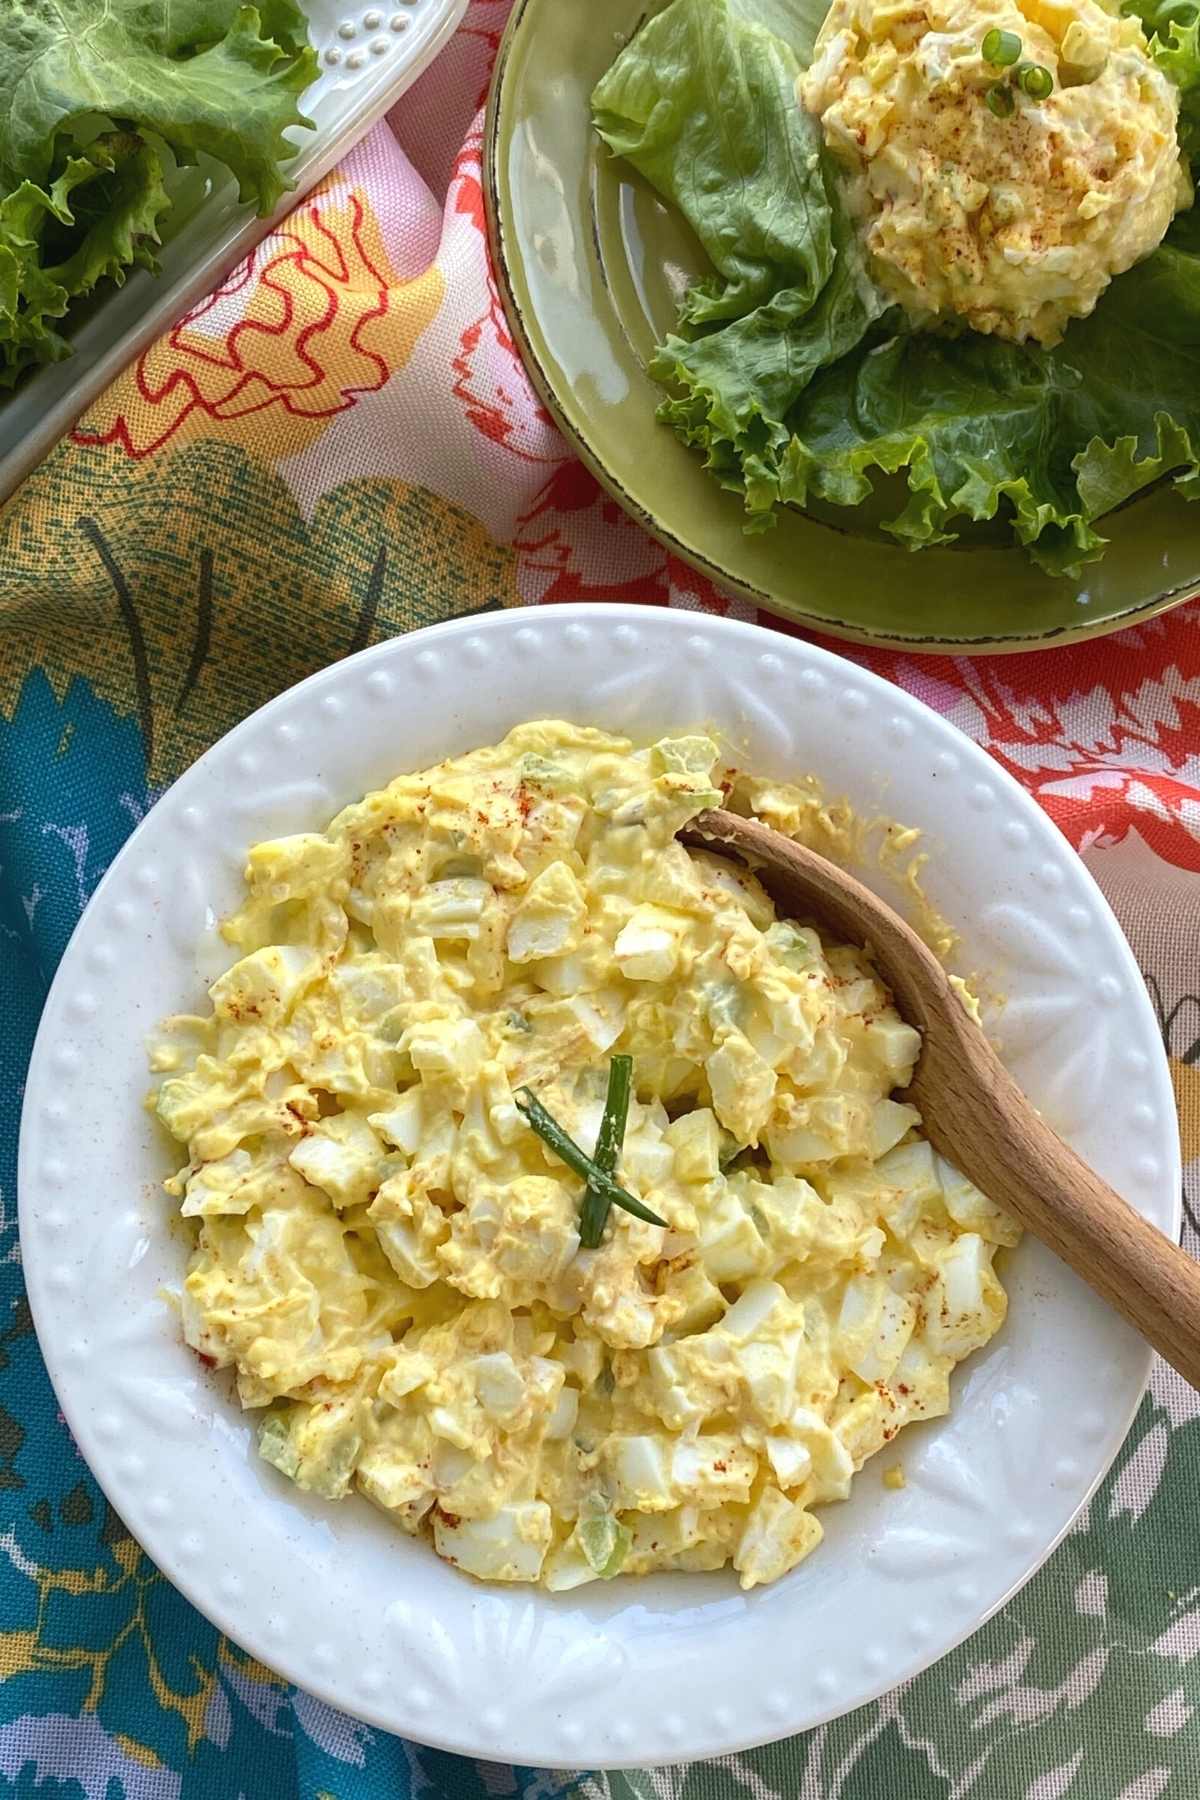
column 1086, row 1687
column 112, row 1687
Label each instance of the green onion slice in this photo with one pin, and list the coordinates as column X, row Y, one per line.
column 1000, row 101
column 1035, row 81
column 1001, row 48
column 567, row 1150
column 611, row 1135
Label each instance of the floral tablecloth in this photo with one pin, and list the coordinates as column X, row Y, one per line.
column 338, row 446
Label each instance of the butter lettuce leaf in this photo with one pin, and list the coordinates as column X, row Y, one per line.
column 797, row 22
column 703, row 103
column 796, row 382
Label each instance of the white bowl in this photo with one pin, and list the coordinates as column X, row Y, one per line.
column 332, row 1596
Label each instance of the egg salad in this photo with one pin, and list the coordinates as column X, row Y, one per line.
column 388, row 1255
column 1006, row 158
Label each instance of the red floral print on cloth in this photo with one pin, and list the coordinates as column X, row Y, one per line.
column 1105, row 735
column 575, row 543
column 489, row 378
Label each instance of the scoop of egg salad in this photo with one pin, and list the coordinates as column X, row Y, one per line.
column 389, row 1257
column 1006, row 158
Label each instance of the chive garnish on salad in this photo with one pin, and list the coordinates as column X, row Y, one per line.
column 609, row 1139
column 1001, row 48
column 568, row 1151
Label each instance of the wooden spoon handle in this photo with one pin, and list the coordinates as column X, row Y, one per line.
column 1024, row 1166
column 973, row 1110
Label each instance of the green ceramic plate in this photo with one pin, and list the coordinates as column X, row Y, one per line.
column 592, row 265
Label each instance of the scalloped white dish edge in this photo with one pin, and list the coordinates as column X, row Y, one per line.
column 629, row 1672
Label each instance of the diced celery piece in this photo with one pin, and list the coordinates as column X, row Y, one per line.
column 691, row 756
column 277, row 1446
column 605, row 1543
column 539, row 771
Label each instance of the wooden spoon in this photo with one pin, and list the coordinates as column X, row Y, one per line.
column 974, row 1113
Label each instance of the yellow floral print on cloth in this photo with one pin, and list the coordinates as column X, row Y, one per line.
column 316, row 318
column 336, row 446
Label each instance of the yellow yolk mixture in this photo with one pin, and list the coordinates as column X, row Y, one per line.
column 1014, row 224
column 389, row 1258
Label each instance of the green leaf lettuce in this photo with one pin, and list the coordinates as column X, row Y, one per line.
column 1053, row 439
column 95, row 102
column 96, row 220
column 200, row 74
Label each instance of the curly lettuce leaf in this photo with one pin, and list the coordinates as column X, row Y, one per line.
column 96, row 220
column 29, row 300
column 201, row 74
column 1172, row 30
column 982, row 428
column 1178, row 55
column 155, row 80
column 731, row 390
column 181, row 27
column 703, row 103
column 114, row 215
